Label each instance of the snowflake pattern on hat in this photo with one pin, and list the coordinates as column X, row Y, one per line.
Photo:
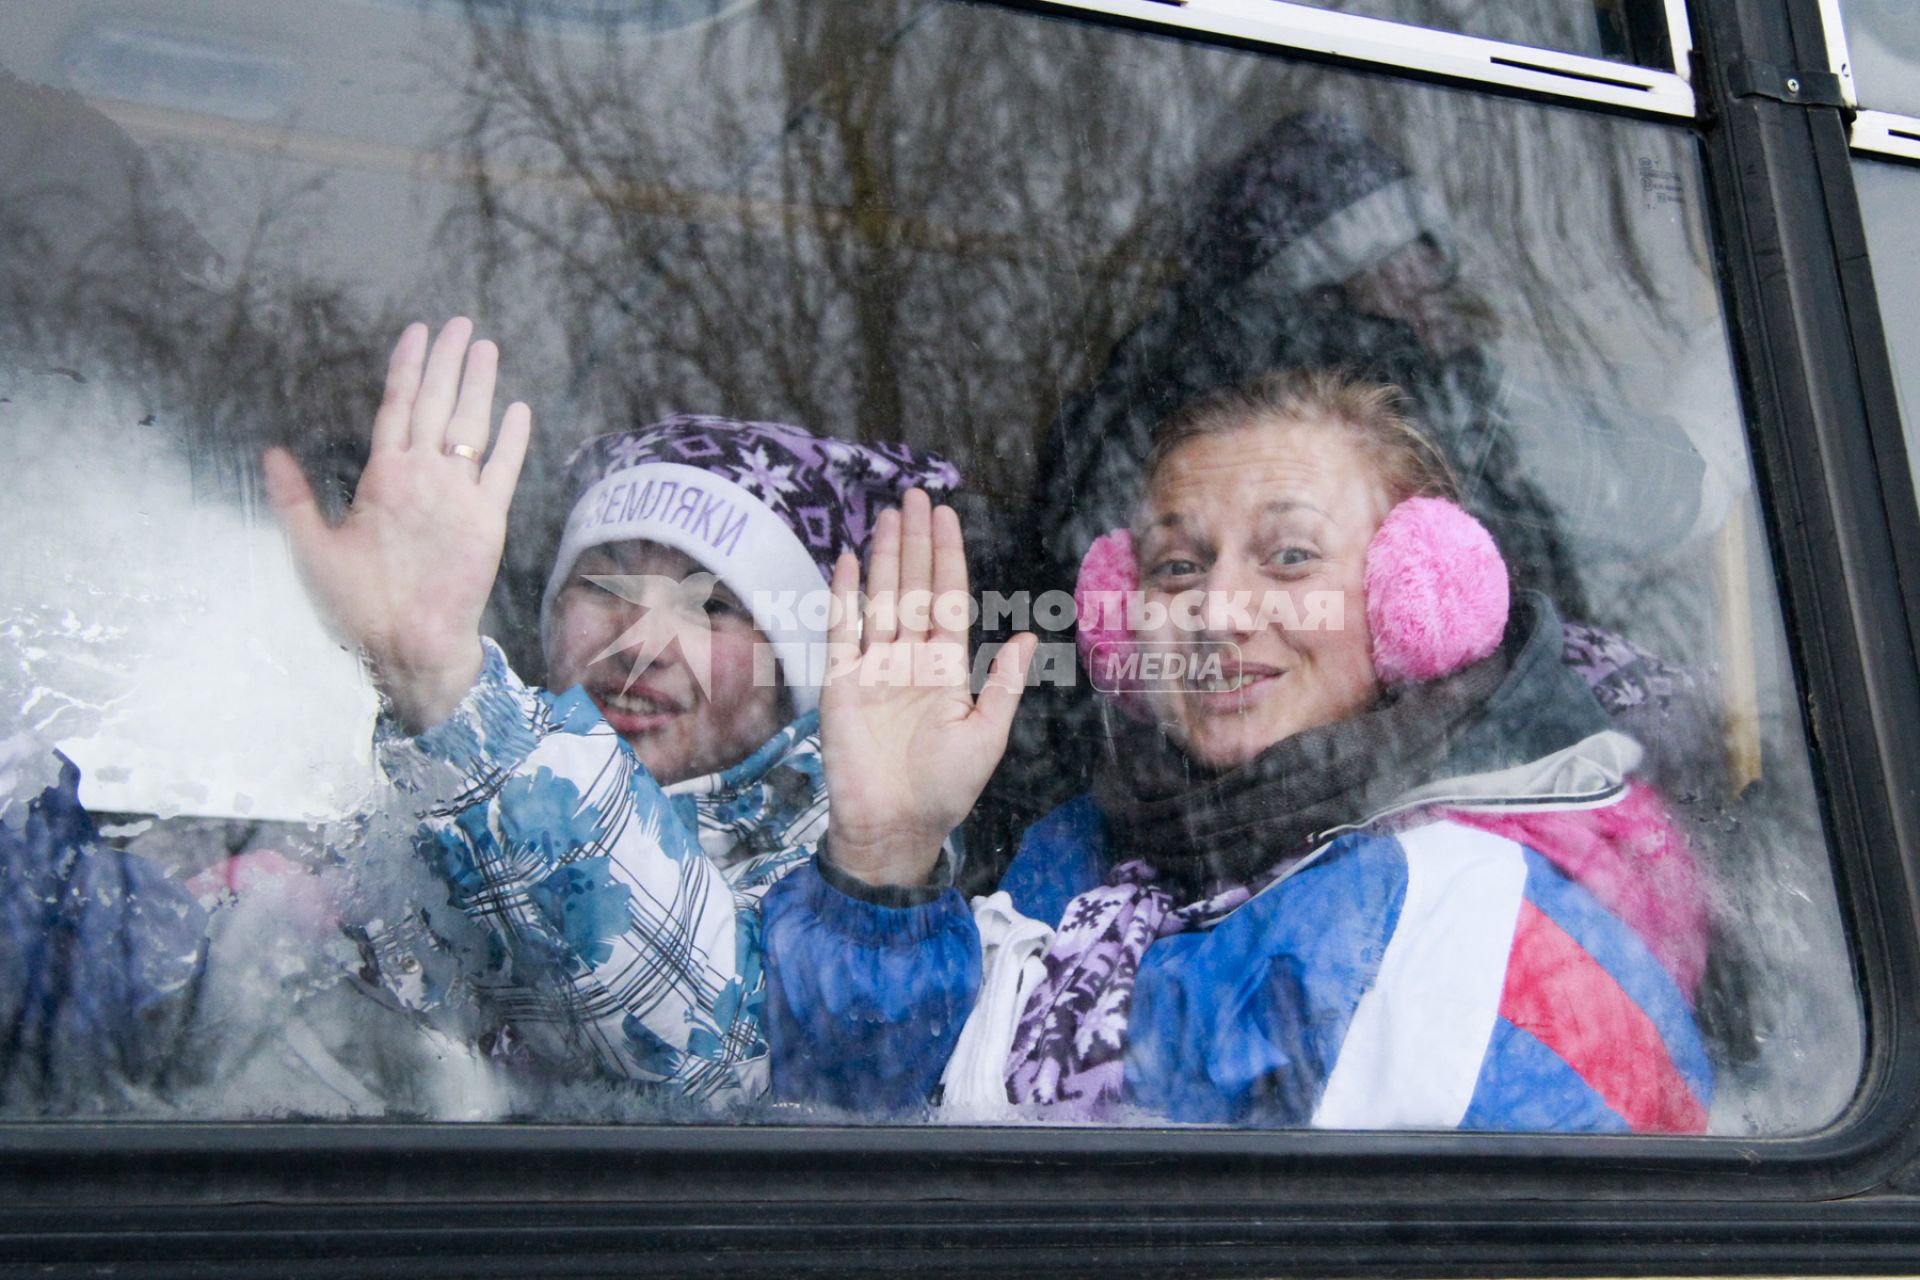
column 828, row 491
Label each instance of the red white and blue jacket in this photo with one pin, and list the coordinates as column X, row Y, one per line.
column 1438, row 975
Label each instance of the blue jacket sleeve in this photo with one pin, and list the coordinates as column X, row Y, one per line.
column 864, row 1001
column 100, row 958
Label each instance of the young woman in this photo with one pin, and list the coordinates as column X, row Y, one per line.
column 1380, row 862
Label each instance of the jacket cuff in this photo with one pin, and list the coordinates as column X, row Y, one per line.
column 858, row 916
column 491, row 729
column 939, row 880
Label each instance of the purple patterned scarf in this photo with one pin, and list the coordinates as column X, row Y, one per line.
column 1068, row 1051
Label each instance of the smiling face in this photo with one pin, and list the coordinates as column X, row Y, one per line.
column 677, row 727
column 1275, row 515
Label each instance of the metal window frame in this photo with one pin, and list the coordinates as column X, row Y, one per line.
column 1449, row 55
column 1839, row 61
column 1680, row 38
column 1885, row 133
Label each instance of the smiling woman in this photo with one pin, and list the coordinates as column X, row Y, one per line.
column 1248, row 514
column 1391, row 873
column 1263, row 496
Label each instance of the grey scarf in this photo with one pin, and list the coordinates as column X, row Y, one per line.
column 1202, row 830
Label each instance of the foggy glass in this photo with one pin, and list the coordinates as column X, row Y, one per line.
column 1887, row 193
column 968, row 229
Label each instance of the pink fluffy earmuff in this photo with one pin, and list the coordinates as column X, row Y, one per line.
column 1436, row 586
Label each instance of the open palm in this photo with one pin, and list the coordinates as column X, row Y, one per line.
column 406, row 575
column 907, row 746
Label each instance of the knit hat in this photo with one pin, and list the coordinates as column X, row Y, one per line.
column 765, row 507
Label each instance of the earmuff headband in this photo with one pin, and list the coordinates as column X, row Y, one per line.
column 1437, row 592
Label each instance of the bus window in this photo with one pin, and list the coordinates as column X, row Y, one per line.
column 966, row 247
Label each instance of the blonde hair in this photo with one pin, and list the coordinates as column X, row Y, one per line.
column 1407, row 461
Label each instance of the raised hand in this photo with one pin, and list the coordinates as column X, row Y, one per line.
column 405, row 577
column 906, row 746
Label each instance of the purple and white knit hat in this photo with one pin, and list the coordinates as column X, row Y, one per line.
column 765, row 507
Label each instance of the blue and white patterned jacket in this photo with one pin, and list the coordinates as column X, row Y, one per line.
column 623, row 916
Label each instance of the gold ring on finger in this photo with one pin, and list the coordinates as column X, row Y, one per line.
column 466, row 451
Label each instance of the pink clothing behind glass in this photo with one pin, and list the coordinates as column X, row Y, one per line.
column 1632, row 859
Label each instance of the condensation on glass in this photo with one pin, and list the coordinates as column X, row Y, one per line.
column 1883, row 46
column 963, row 227
column 1887, row 192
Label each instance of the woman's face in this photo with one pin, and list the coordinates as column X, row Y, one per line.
column 1273, row 518
column 678, row 722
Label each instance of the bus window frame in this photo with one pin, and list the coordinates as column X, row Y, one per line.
column 1844, row 535
column 1445, row 55
column 1888, row 133
column 1883, row 133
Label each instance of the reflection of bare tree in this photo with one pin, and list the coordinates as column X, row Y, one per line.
column 102, row 276
column 933, row 221
column 889, row 220
column 930, row 221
